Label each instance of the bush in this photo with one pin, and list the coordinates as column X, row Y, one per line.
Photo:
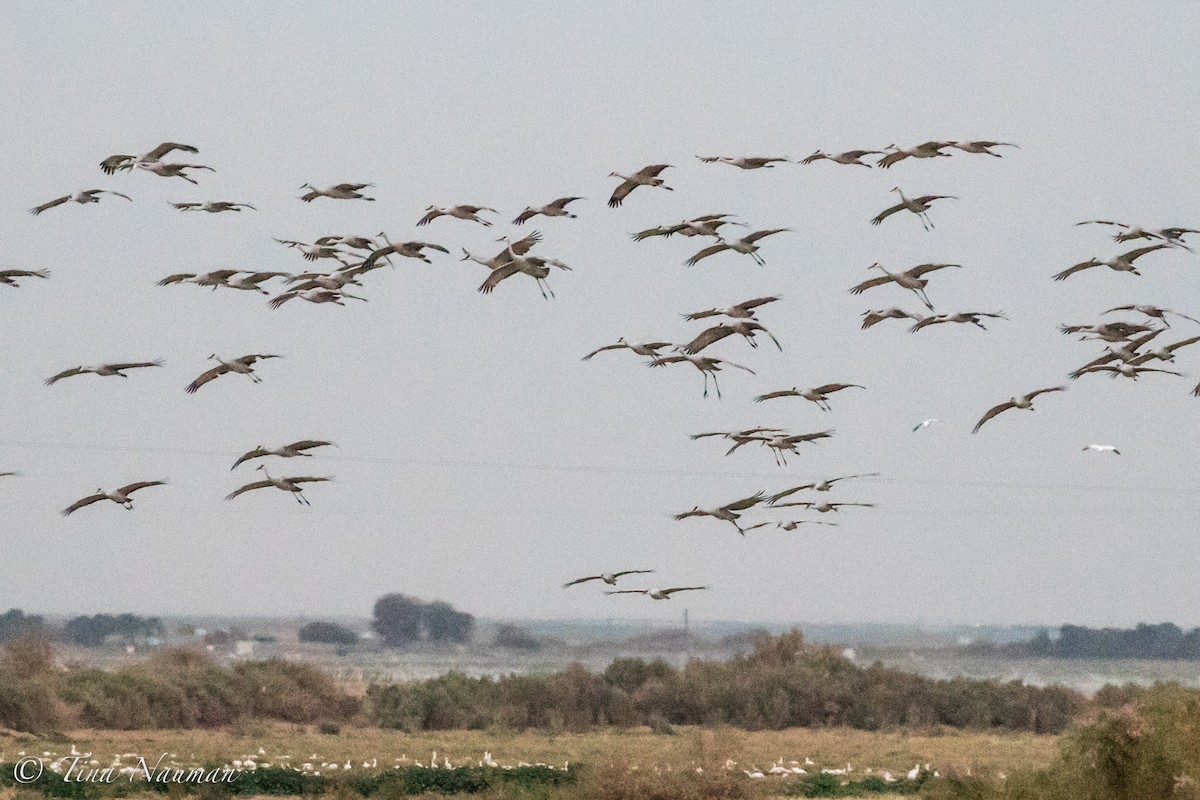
column 512, row 637
column 328, row 633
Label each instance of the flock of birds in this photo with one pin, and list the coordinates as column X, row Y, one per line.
column 334, row 264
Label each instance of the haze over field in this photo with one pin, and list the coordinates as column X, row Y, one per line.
column 478, row 459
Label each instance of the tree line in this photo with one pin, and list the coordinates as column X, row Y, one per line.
column 1163, row 641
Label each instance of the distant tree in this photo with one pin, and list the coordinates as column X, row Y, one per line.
column 397, row 619
column 15, row 622
column 92, row 631
column 512, row 637
column 443, row 623
column 28, row 655
column 328, row 633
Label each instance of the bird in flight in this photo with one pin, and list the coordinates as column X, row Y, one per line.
column 241, row 366
column 8, row 277
column 293, row 450
column 925, row 423
column 818, row 394
column 557, row 208
column 285, row 484
column 658, row 594
column 119, row 496
column 646, row 176
column 917, row 205
column 1102, row 448
column 103, row 370
column 115, row 163
column 83, row 198
column 608, row 577
column 1024, row 402
column 746, row 162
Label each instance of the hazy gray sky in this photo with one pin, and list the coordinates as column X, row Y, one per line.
column 479, row 460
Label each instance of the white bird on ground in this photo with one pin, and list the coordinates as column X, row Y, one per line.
column 646, row 176
column 1102, row 448
column 119, row 496
column 241, row 366
column 293, row 450
column 83, row 198
column 285, row 484
column 103, row 370
column 608, row 577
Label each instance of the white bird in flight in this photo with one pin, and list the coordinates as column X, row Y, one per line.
column 1102, row 448
column 925, row 423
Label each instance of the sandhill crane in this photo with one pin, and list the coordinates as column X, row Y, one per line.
column 103, row 370
column 825, row 507
column 924, row 150
column 8, row 277
column 747, row 329
column 1108, row 331
column 659, row 594
column 981, row 147
column 557, row 208
column 83, row 198
column 917, row 205
column 293, row 450
column 849, row 158
column 792, row 524
column 342, row 191
column 285, row 484
column 1124, row 369
column 332, row 281
column 312, row 252
column 114, row 163
column 730, row 512
column 824, row 485
column 250, row 282
column 1024, row 402
column 314, row 295
column 214, row 279
column 241, row 366
column 910, row 279
column 818, row 394
column 925, row 423
column 164, row 170
column 743, row 310
column 536, row 267
column 782, row 444
column 646, row 176
column 1121, row 263
column 745, row 162
column 519, row 247
column 960, row 317
column 1166, row 353
column 1127, row 351
column 746, row 245
column 1154, row 312
column 706, row 225
column 405, row 249
column 464, row 212
column 649, row 349
column 1129, row 233
column 213, row 206
column 608, row 577
column 353, row 242
column 872, row 318
column 1102, row 448
column 740, row 438
column 119, row 496
column 706, row 365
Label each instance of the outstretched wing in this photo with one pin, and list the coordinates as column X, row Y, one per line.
column 777, row 394
column 706, row 252
column 707, row 337
column 133, row 487
column 67, row 373
column 166, row 147
column 582, row 580
column 991, row 413
column 1080, row 267
column 887, row 212
column 249, row 487
column 754, row 237
column 620, row 193
column 497, row 275
column 205, row 377
column 57, row 202
column 78, row 504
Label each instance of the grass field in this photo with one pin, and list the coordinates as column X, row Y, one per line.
column 982, row 753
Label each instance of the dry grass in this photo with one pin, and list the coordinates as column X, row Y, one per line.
column 944, row 750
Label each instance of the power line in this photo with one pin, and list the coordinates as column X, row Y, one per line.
column 605, row 469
